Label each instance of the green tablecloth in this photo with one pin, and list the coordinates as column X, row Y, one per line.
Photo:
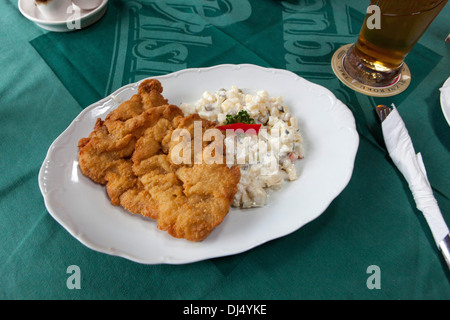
column 48, row 78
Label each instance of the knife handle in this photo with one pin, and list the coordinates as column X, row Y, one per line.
column 445, row 249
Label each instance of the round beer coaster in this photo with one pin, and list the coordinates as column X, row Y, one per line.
column 399, row 85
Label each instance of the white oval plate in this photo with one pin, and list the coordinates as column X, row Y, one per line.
column 330, row 143
column 445, row 100
column 86, row 18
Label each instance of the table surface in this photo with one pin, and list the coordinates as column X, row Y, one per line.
column 371, row 229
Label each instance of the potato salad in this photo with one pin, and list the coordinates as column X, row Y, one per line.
column 266, row 159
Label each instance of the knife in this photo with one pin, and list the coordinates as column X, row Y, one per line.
column 401, row 150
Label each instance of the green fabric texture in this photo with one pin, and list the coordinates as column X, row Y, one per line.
column 49, row 78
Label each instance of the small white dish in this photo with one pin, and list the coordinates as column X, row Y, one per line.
column 445, row 100
column 330, row 144
column 75, row 19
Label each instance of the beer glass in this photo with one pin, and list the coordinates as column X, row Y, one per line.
column 377, row 58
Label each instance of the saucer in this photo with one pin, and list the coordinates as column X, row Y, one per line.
column 67, row 22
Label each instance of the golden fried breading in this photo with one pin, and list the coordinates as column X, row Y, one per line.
column 187, row 200
column 130, row 152
column 104, row 156
column 149, row 96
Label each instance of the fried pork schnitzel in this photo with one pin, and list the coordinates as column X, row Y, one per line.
column 129, row 152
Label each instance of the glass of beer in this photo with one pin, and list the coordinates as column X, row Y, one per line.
column 377, row 58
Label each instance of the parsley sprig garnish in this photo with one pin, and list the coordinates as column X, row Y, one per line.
column 241, row 117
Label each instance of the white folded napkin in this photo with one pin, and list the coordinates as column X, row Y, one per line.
column 410, row 164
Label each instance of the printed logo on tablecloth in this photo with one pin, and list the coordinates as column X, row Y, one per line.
column 155, row 37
